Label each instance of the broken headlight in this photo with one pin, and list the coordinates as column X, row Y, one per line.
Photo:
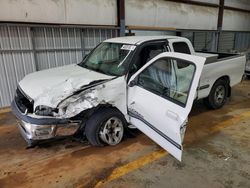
column 45, row 111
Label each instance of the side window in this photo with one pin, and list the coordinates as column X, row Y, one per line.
column 155, row 50
column 181, row 47
column 166, row 79
column 149, row 52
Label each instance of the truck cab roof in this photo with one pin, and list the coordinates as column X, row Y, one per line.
column 137, row 40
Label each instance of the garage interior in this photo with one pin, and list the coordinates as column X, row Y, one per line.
column 37, row 35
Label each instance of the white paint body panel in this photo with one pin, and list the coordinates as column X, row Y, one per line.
column 234, row 68
column 140, row 39
column 49, row 87
column 112, row 92
column 163, row 115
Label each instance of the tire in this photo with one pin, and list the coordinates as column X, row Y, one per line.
column 218, row 94
column 248, row 77
column 101, row 127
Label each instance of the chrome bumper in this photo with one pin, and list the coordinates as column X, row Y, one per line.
column 44, row 132
column 34, row 130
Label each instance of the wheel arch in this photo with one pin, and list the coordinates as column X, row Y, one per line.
column 86, row 114
column 107, row 106
column 209, row 100
column 96, row 119
column 227, row 79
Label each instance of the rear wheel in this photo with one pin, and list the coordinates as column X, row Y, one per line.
column 106, row 126
column 218, row 95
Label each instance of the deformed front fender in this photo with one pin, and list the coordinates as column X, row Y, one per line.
column 111, row 93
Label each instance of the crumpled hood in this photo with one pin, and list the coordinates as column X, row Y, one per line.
column 49, row 87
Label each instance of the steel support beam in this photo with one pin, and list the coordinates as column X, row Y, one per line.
column 216, row 37
column 121, row 16
column 220, row 15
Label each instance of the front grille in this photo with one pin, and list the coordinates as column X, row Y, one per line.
column 24, row 104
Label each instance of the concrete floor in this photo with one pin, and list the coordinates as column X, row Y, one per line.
column 216, row 154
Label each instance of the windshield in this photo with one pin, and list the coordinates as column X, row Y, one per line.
column 109, row 58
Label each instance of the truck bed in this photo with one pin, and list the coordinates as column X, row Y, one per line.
column 213, row 57
column 231, row 66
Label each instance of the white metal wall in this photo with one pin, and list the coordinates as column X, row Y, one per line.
column 88, row 12
column 236, row 21
column 27, row 49
column 160, row 13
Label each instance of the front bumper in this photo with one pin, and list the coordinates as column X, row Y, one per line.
column 39, row 129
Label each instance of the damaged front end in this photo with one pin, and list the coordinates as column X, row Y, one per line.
column 34, row 129
column 38, row 122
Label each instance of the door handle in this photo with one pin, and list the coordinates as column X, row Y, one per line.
column 172, row 115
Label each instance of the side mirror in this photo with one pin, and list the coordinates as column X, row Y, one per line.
column 132, row 83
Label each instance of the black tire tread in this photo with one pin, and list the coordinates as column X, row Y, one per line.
column 94, row 123
column 209, row 101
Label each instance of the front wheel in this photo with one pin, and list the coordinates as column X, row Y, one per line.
column 218, row 95
column 106, row 126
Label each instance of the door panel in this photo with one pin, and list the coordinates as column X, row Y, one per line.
column 161, row 99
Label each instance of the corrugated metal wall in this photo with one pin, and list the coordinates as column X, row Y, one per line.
column 226, row 42
column 199, row 40
column 16, row 60
column 92, row 37
column 56, row 46
column 189, row 35
column 152, row 33
column 203, row 41
column 27, row 49
column 242, row 41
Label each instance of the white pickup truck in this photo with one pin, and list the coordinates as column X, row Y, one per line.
column 147, row 82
